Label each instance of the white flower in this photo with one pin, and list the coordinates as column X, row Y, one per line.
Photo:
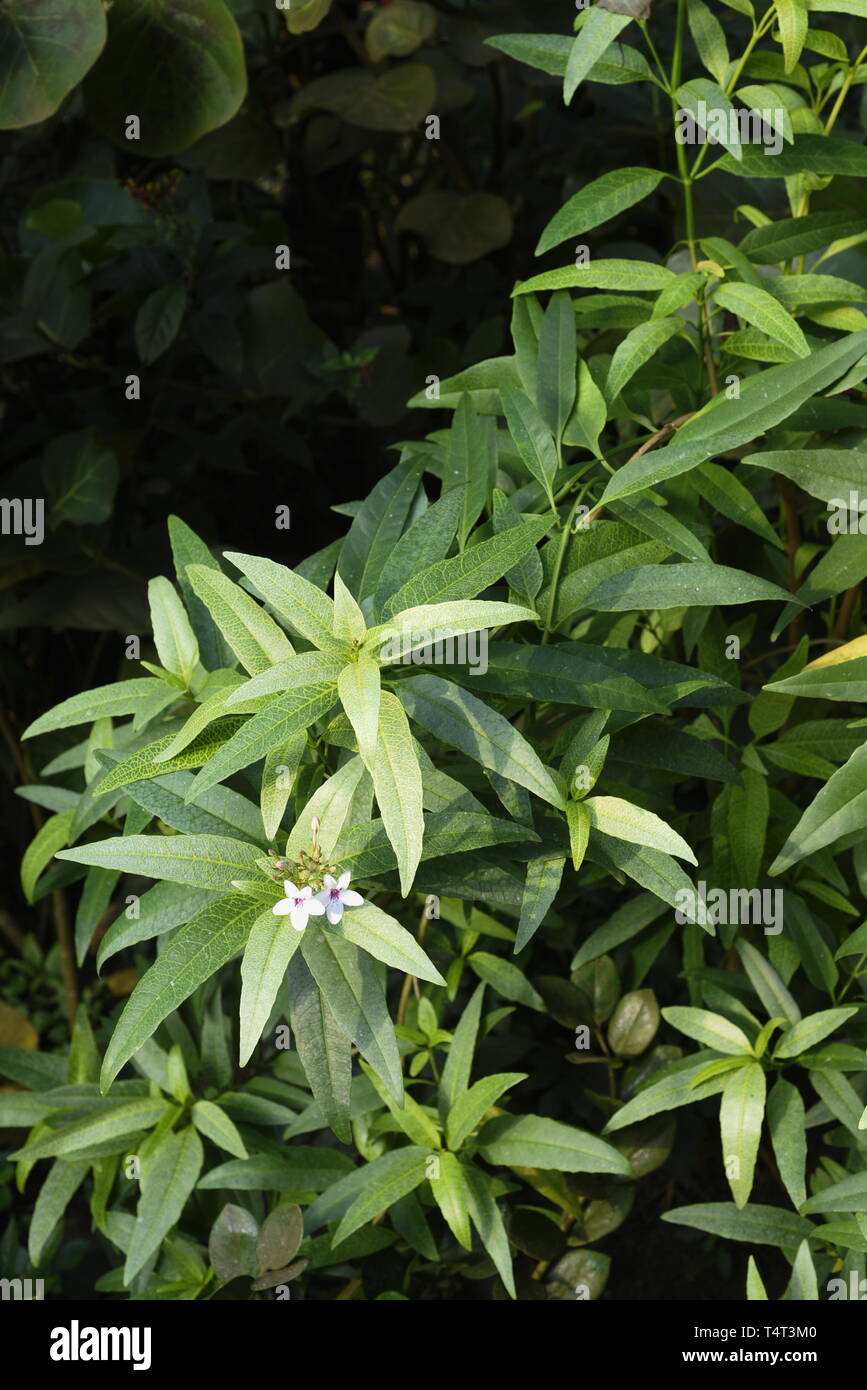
column 298, row 904
column 336, row 895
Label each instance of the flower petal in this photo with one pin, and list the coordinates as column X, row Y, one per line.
column 329, row 881
column 298, row 917
column 351, row 898
column 282, row 908
column 313, row 907
column 289, row 888
column 305, row 892
column 343, row 881
column 334, row 912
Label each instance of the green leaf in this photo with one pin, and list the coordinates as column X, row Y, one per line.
column 789, row 237
column 691, row 585
column 526, row 577
column 381, row 936
column 846, row 1195
column 122, row 697
column 323, row 1048
column 506, row 979
column 196, row 952
column 287, row 715
column 767, row 983
column 754, row 1223
column 203, row 861
column 829, row 474
column 811, row 1030
column 823, row 155
column 270, row 947
column 597, row 34
column 487, row 1220
column 158, row 322
column 427, row 540
column 709, row 1029
column 465, row 575
column 42, row 849
column 168, row 1175
column 757, row 307
column 709, row 38
column 788, row 1131
column 436, row 626
column 634, row 1023
column 298, row 603
column 190, row 549
column 675, row 1087
column 840, row 1096
column 558, row 364
column 350, row 984
column 448, row 1185
column 466, row 723
column 624, row 821
column 540, row 889
column 45, row 52
column 531, row 1141
column 175, row 640
column 358, row 686
column 60, row 1186
column 839, row 808
column 471, row 1106
column 766, row 399
column 254, row 637
column 456, row 1072
column 597, row 202
column 400, row 29
column 81, row 477
column 704, row 99
column 397, row 785
column 215, row 1124
column 639, row 346
column 128, row 1117
column 793, row 20
column 387, row 1179
column 741, row 1113
column 154, row 55
column 278, row 778
column 349, row 624
column 600, row 275
column 377, row 526
column 467, row 465
column 533, row 438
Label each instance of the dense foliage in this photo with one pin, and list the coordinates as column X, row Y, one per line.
column 485, row 882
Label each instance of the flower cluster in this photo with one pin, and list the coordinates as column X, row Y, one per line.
column 300, row 904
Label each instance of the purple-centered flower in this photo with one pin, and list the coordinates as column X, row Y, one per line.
column 298, row 905
column 336, row 895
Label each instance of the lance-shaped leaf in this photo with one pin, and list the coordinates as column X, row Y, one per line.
column 288, row 714
column 709, row 1029
column 676, row 1086
column 757, row 307
column 376, row 528
column 459, row 1062
column 116, row 1122
column 55, row 1194
column 203, row 861
column 175, row 640
column 254, row 637
column 595, row 37
column 398, row 787
column 298, row 603
column 625, row 821
column 532, row 1141
column 485, row 1216
column 324, row 1049
column 811, row 1030
column 468, row 464
column 839, row 808
column 682, row 586
column 597, row 202
column 755, row 1223
column 330, row 805
column 195, row 953
column 305, row 668
column 532, row 436
column 448, row 1185
column 349, row 624
column 439, row 626
column 387, row 1179
column 350, row 983
column 358, row 686
column 381, row 936
column 122, row 697
column 742, row 1110
column 766, row 399
column 471, row 1106
column 640, row 344
column 214, row 1123
column 270, row 946
column 168, row 1175
column 470, row 573
column 464, row 722
column 541, row 886
column 788, row 1131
